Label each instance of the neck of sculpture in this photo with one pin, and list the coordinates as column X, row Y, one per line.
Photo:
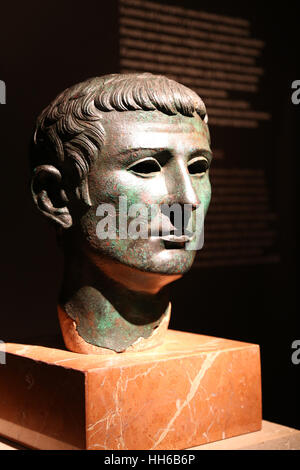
column 112, row 307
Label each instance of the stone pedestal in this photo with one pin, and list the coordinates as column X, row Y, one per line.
column 191, row 390
column 271, row 437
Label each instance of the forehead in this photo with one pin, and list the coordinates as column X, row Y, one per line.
column 153, row 129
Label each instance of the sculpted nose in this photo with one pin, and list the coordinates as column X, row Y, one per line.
column 183, row 190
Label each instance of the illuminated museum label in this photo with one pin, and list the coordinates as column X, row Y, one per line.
column 220, row 58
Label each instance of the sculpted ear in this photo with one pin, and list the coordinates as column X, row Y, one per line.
column 49, row 195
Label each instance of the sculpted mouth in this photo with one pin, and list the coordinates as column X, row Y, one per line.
column 172, row 242
column 175, row 239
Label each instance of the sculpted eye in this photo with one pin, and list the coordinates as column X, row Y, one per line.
column 198, row 166
column 146, row 168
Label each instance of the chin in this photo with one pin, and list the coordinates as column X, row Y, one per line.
column 173, row 262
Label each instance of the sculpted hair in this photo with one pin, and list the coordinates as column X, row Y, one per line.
column 69, row 132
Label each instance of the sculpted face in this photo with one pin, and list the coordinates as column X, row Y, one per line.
column 150, row 158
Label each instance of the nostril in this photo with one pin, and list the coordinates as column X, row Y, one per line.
column 195, row 206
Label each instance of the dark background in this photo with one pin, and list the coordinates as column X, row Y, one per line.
column 46, row 47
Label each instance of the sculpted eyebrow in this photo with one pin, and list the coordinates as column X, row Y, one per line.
column 201, row 153
column 141, row 150
column 161, row 154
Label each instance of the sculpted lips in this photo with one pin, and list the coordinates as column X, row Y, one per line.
column 174, row 242
column 175, row 239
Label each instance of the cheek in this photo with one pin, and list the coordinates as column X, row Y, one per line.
column 203, row 189
column 206, row 195
column 122, row 190
column 136, row 190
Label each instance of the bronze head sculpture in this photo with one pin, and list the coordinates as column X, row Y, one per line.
column 136, row 140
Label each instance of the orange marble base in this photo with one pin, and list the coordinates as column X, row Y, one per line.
column 191, row 390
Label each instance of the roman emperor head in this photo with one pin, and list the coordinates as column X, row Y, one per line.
column 138, row 138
